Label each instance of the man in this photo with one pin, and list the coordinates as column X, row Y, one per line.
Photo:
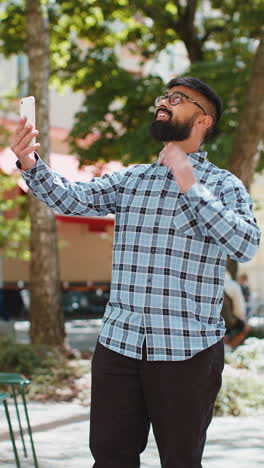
column 244, row 285
column 159, row 356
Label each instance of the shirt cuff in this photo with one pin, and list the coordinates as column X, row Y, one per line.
column 198, row 192
column 20, row 167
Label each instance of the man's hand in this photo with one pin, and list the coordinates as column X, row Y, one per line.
column 21, row 144
column 176, row 160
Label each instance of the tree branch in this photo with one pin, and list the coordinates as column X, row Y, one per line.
column 211, row 31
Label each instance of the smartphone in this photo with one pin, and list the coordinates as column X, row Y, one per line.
column 27, row 109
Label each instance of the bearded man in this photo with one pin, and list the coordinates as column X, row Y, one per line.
column 159, row 355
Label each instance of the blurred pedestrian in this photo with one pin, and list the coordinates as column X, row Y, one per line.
column 4, row 315
column 4, row 312
column 244, row 285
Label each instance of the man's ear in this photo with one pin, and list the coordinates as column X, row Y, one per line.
column 206, row 121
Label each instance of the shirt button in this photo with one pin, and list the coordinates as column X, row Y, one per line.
column 152, row 250
column 149, row 280
column 163, row 194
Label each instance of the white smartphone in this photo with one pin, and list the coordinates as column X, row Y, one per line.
column 27, row 109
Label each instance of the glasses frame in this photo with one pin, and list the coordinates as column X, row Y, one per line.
column 168, row 96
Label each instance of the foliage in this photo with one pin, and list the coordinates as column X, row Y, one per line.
column 23, row 358
column 241, row 394
column 243, row 381
column 52, row 375
column 121, row 107
column 249, row 356
column 123, row 122
column 231, row 66
column 14, row 219
column 6, row 106
column 14, row 222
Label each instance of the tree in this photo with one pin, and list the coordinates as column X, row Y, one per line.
column 26, row 30
column 47, row 325
column 120, row 107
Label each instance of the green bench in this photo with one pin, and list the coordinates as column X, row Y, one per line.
column 3, row 397
column 17, row 383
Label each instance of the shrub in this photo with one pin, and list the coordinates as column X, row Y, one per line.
column 52, row 375
column 242, row 391
column 21, row 358
column 250, row 355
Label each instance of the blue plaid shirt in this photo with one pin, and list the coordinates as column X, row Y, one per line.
column 169, row 250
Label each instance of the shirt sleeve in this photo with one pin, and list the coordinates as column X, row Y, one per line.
column 228, row 220
column 94, row 198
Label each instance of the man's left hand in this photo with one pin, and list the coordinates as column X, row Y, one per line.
column 176, row 160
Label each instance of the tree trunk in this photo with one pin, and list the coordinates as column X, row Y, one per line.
column 187, row 30
column 47, row 324
column 245, row 155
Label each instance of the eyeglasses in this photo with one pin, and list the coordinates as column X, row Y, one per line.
column 176, row 98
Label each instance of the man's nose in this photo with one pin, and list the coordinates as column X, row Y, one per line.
column 164, row 100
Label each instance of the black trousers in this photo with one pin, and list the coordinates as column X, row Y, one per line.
column 177, row 398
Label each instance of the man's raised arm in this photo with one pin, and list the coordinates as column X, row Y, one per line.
column 94, row 198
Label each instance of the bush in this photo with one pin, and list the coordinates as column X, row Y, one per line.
column 243, row 380
column 21, row 358
column 52, row 375
column 250, row 355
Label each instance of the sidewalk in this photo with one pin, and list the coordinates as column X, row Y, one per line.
column 61, row 435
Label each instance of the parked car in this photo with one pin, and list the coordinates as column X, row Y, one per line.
column 82, row 303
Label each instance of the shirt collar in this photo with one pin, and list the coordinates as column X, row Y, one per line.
column 195, row 158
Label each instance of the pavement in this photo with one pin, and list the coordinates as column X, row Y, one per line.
column 61, row 436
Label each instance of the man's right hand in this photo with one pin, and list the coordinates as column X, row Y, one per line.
column 21, row 144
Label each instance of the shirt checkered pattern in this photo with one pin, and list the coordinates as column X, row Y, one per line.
column 169, row 251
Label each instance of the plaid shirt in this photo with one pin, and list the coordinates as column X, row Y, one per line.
column 169, row 250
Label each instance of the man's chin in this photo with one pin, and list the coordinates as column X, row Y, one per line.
column 159, row 130
column 164, row 132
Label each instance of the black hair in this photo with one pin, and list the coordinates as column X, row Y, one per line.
column 205, row 90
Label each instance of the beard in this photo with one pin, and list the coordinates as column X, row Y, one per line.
column 171, row 131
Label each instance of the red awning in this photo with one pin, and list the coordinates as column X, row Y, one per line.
column 94, row 223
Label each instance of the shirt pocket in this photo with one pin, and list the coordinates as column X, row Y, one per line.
column 184, row 220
